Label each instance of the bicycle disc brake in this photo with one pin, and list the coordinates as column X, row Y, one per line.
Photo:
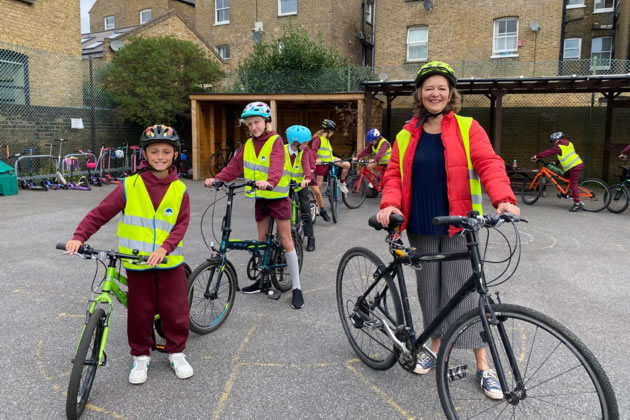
column 253, row 272
column 406, row 359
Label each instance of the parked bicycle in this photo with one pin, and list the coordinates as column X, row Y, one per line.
column 619, row 194
column 212, row 285
column 593, row 192
column 90, row 352
column 221, row 158
column 544, row 370
column 364, row 184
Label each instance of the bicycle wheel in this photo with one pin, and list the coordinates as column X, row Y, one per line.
column 280, row 276
column 314, row 206
column 210, row 304
column 618, row 198
column 560, row 376
column 363, row 319
column 594, row 194
column 357, row 190
column 333, row 196
column 531, row 193
column 216, row 162
column 85, row 364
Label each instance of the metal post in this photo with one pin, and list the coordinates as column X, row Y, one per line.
column 92, row 111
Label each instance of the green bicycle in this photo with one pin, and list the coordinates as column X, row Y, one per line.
column 90, row 353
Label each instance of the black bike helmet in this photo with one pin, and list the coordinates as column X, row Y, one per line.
column 433, row 68
column 159, row 134
column 556, row 136
column 329, row 125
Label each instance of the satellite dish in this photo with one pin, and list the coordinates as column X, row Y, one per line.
column 383, row 76
column 534, row 27
column 428, row 5
column 116, row 44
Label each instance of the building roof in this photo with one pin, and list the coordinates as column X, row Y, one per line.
column 192, row 2
column 92, row 43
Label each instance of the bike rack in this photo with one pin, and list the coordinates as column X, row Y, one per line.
column 76, row 154
column 31, row 157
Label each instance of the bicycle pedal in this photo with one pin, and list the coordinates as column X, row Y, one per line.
column 273, row 294
column 457, row 373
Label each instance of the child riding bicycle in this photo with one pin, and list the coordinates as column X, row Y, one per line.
column 262, row 159
column 153, row 196
column 569, row 162
column 375, row 144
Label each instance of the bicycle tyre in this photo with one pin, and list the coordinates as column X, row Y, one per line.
column 619, row 197
column 313, row 205
column 354, row 275
column 530, row 194
column 85, row 365
column 552, row 361
column 216, row 162
column 280, row 277
column 209, row 312
column 601, row 194
column 357, row 190
column 333, row 197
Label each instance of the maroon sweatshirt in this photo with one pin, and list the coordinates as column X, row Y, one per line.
column 115, row 202
column 368, row 149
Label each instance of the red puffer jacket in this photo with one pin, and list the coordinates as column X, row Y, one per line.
column 487, row 164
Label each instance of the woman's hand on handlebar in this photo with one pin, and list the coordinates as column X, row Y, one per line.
column 209, row 182
column 383, row 215
column 506, row 207
column 72, row 246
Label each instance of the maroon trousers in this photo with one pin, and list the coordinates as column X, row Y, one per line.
column 163, row 292
column 574, row 174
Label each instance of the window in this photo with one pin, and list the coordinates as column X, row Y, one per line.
column 505, row 37
column 14, row 86
column 572, row 48
column 224, row 51
column 417, row 43
column 287, row 7
column 601, row 52
column 110, row 22
column 602, row 6
column 223, row 11
column 145, row 16
column 574, row 4
column 369, row 8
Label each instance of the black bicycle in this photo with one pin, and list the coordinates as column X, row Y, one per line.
column 544, row 370
column 619, row 195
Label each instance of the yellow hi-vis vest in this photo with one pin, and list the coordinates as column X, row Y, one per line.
column 464, row 124
column 143, row 228
column 568, row 159
column 294, row 171
column 385, row 159
column 256, row 168
column 325, row 151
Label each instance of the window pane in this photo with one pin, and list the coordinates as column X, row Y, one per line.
column 571, row 43
column 12, row 89
column 597, row 44
column 606, row 44
column 511, row 25
column 417, row 35
column 417, row 52
column 288, row 6
column 575, row 2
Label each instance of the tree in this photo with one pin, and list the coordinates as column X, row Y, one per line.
column 150, row 78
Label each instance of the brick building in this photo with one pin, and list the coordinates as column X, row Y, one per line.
column 113, row 14
column 233, row 26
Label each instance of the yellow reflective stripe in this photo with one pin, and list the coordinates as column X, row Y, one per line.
column 569, row 158
column 256, row 168
column 147, row 223
column 464, row 124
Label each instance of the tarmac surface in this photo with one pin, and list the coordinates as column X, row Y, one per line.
column 269, row 361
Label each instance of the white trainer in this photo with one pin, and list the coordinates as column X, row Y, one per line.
column 180, row 365
column 139, row 369
column 343, row 188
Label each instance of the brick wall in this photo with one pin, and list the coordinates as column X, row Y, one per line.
column 127, row 12
column 583, row 23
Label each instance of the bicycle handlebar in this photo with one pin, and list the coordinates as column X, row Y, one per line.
column 233, row 186
column 474, row 220
column 88, row 251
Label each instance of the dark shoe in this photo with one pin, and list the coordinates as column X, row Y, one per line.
column 298, row 299
column 577, row 206
column 310, row 244
column 324, row 215
column 254, row 288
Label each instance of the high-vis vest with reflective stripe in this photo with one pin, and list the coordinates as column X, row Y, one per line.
column 256, row 168
column 143, row 228
column 294, row 171
column 385, row 159
column 325, row 151
column 464, row 124
column 568, row 159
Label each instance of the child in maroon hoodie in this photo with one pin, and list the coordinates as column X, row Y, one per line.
column 154, row 194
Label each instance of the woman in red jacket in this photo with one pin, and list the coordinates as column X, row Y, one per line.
column 428, row 176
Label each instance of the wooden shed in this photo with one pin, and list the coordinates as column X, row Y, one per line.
column 216, row 118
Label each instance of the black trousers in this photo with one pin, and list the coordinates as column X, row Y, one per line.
column 305, row 208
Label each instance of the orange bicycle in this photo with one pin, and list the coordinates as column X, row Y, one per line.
column 593, row 192
column 364, row 184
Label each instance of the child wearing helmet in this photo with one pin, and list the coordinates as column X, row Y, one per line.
column 323, row 153
column 298, row 165
column 569, row 161
column 375, row 144
column 153, row 193
column 265, row 149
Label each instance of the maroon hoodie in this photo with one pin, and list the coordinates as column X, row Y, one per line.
column 115, row 202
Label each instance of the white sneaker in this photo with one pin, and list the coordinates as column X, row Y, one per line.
column 180, row 365
column 139, row 369
column 343, row 188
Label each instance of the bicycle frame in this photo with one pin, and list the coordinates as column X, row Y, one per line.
column 372, row 177
column 546, row 173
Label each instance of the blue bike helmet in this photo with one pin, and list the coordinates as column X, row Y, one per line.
column 372, row 135
column 259, row 109
column 298, row 133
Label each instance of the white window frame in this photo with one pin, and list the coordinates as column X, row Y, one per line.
column 218, row 9
column 288, row 13
column 424, row 43
column 603, row 9
column 579, row 49
column 224, row 48
column 369, row 12
column 506, row 53
column 113, row 23
column 607, row 66
column 150, row 17
column 12, row 92
column 576, row 6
